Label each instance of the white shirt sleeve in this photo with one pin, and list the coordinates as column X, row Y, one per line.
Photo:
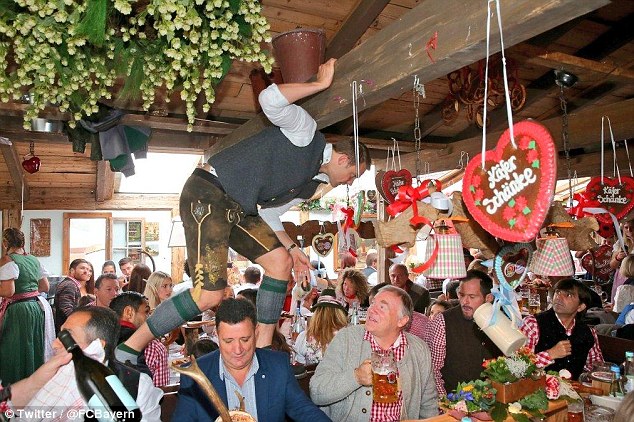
column 300, row 348
column 271, row 216
column 9, row 271
column 43, row 271
column 148, row 398
column 295, row 122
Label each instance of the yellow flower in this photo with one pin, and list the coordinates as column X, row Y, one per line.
column 467, row 388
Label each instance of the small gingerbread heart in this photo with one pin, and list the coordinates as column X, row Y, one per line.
column 388, row 182
column 323, row 243
column 614, row 195
column 511, row 262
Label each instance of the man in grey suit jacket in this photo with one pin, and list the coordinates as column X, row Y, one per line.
column 342, row 384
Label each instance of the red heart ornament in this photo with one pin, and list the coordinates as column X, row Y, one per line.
column 31, row 165
column 616, row 197
column 510, row 197
column 599, row 267
column 388, row 182
column 323, row 243
column 606, row 226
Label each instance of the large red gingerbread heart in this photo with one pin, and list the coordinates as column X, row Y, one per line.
column 510, row 197
column 616, row 197
column 388, row 182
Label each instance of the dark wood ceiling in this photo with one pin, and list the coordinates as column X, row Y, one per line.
column 371, row 37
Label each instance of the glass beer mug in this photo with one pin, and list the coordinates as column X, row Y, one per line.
column 384, row 377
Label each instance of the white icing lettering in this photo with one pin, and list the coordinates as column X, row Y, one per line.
column 509, row 188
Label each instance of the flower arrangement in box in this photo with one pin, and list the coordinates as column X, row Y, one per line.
column 71, row 53
column 477, row 399
column 471, row 397
column 514, row 376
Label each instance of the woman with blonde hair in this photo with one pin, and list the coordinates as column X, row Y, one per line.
column 329, row 316
column 353, row 289
column 158, row 288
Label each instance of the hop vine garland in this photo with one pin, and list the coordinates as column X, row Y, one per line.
column 70, row 53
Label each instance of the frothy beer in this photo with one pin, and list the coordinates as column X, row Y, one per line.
column 384, row 387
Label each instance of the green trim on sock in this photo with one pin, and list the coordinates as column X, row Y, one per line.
column 185, row 305
column 125, row 348
column 273, row 285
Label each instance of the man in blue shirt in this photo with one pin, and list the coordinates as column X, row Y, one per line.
column 262, row 377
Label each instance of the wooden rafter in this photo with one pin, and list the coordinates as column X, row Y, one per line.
column 587, row 70
column 14, row 165
column 391, row 58
column 354, row 27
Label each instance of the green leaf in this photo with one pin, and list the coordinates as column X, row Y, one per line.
column 535, row 164
column 532, row 144
column 472, row 189
column 93, row 24
column 499, row 412
column 520, row 417
column 234, row 6
column 526, row 210
column 512, row 203
column 512, row 222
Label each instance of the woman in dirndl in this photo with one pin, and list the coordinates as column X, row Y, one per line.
column 22, row 311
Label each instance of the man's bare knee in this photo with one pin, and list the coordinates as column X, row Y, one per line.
column 209, row 298
column 277, row 264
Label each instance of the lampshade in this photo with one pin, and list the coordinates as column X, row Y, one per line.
column 552, row 257
column 177, row 234
column 449, row 262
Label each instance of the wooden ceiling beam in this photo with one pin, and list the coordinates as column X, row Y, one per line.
column 105, row 182
column 84, row 199
column 391, row 58
column 577, row 65
column 354, row 27
column 154, row 122
column 14, row 165
column 373, row 143
column 583, row 131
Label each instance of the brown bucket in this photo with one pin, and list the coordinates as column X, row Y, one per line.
column 299, row 53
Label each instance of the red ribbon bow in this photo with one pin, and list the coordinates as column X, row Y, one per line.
column 348, row 223
column 583, row 201
column 408, row 196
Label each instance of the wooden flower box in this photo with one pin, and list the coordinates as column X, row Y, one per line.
column 513, row 391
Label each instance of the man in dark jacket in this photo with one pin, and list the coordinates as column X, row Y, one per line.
column 263, row 378
column 458, row 346
column 558, row 336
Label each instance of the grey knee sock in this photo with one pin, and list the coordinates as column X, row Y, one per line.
column 270, row 301
column 173, row 313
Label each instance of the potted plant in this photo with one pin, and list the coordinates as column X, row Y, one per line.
column 515, row 376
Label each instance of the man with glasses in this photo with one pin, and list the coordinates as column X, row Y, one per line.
column 558, row 337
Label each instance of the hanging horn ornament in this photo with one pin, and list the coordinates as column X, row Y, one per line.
column 195, row 373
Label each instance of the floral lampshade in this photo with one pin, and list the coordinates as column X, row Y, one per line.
column 552, row 257
column 449, row 262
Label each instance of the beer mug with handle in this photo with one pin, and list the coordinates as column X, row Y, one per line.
column 384, row 377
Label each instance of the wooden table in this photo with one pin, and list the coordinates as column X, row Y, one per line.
column 557, row 412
